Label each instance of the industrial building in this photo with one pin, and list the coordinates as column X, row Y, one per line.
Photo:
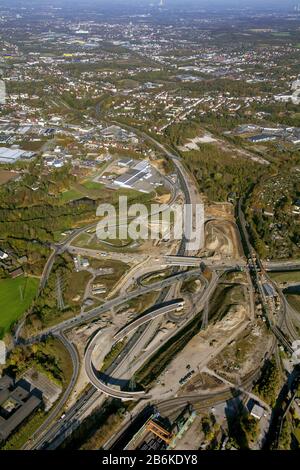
column 125, row 162
column 159, row 433
column 263, row 138
column 38, row 381
column 17, row 402
column 140, row 175
column 12, row 155
column 140, row 170
column 117, row 134
column 257, row 411
column 130, row 173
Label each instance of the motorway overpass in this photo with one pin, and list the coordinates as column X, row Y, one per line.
column 95, row 380
column 214, row 264
column 95, row 312
column 281, row 266
column 58, row 329
column 90, row 369
column 92, row 373
column 183, row 260
column 115, row 302
column 163, row 310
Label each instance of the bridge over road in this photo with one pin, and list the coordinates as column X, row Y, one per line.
column 162, row 310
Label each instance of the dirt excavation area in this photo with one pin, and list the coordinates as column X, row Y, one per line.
column 224, row 145
column 192, row 144
column 244, row 354
column 222, row 239
column 200, row 351
column 219, row 210
column 202, row 381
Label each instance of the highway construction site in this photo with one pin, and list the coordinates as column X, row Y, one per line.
column 171, row 328
column 137, row 340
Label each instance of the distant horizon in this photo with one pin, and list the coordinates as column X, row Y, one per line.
column 236, row 4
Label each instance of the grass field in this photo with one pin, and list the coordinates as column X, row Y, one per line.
column 143, row 302
column 113, row 354
column 289, row 276
column 16, row 297
column 92, row 185
column 82, row 240
column 86, row 189
column 281, row 34
column 109, row 280
column 294, row 301
column 70, row 195
column 76, row 285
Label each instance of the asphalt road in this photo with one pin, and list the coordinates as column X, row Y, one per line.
column 56, row 410
column 90, row 315
column 97, row 311
column 281, row 266
column 145, row 318
column 90, row 369
column 162, row 286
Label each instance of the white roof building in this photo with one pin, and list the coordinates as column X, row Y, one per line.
column 3, row 255
column 257, row 411
column 12, row 155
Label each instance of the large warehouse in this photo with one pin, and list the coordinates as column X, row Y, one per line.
column 12, row 155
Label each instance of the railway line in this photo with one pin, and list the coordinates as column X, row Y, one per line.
column 213, row 397
column 162, row 296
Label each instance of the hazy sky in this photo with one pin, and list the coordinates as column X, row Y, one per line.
column 171, row 2
column 261, row 4
column 236, row 3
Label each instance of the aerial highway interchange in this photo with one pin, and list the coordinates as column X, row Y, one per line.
column 53, row 431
